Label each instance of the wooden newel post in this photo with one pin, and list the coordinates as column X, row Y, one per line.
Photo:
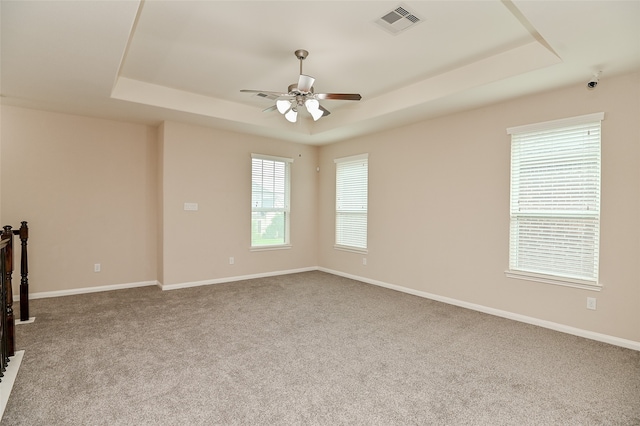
column 11, row 322
column 24, row 273
column 4, row 353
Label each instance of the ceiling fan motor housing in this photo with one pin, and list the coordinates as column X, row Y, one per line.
column 301, row 54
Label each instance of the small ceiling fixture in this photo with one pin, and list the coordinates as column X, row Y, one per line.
column 594, row 81
column 301, row 94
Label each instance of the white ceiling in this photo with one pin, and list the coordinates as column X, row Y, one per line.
column 187, row 60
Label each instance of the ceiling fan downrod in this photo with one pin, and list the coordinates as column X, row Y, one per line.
column 301, row 54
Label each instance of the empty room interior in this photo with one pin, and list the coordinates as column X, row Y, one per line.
column 322, row 212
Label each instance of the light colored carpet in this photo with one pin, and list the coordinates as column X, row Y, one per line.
column 309, row 348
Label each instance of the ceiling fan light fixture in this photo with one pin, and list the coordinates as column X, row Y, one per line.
column 291, row 115
column 302, row 94
column 313, row 106
column 316, row 114
column 283, row 105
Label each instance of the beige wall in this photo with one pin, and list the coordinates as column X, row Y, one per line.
column 99, row 191
column 213, row 168
column 87, row 187
column 439, row 208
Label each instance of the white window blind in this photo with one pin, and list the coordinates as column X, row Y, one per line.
column 555, row 200
column 269, row 200
column 352, row 176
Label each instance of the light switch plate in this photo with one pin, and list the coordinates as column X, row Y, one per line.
column 191, row 206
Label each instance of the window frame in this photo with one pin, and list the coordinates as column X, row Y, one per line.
column 341, row 243
column 286, row 209
column 587, row 216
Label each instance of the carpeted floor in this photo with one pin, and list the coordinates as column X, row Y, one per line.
column 306, row 349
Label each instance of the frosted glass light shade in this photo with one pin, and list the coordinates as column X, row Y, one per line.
column 283, row 105
column 291, row 115
column 313, row 106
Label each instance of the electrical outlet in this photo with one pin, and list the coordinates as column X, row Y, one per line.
column 231, row 260
column 96, row 267
column 364, row 261
column 591, row 303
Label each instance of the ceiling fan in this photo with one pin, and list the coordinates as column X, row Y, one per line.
column 302, row 94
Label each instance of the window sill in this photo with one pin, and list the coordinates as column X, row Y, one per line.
column 550, row 279
column 274, row 247
column 351, row 249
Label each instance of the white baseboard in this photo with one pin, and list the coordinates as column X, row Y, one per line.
column 236, row 278
column 84, row 290
column 9, row 378
column 617, row 341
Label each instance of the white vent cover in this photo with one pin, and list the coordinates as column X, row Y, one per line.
column 398, row 20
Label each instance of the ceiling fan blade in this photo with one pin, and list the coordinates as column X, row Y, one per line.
column 271, row 108
column 339, row 96
column 325, row 111
column 264, row 92
column 305, row 82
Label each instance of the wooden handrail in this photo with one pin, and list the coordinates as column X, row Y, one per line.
column 7, row 320
column 4, row 344
column 8, row 299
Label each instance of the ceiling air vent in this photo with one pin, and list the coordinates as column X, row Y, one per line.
column 398, row 20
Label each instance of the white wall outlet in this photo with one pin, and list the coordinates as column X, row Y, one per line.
column 591, row 303
column 96, row 267
column 191, row 206
column 231, row 260
column 364, row 261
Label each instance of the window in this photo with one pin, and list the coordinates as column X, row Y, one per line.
column 352, row 174
column 269, row 200
column 555, row 201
